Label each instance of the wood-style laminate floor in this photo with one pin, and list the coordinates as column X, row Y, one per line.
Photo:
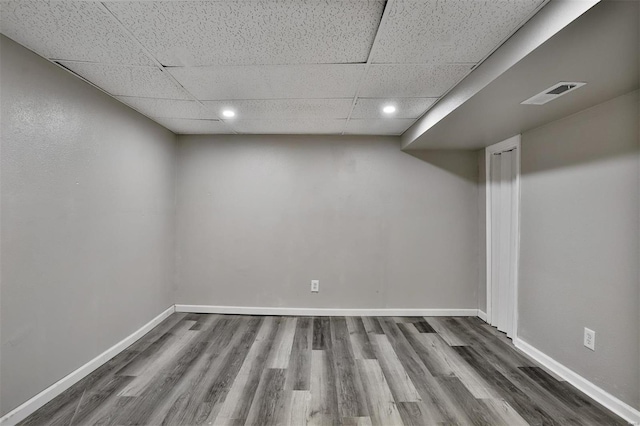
column 231, row 370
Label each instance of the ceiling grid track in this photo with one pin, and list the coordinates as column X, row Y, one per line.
column 475, row 65
column 182, row 63
column 132, row 37
column 383, row 19
column 62, row 67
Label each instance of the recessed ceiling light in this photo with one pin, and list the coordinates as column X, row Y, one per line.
column 228, row 113
column 389, row 109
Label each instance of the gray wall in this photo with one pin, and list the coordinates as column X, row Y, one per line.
column 87, row 232
column 259, row 217
column 580, row 243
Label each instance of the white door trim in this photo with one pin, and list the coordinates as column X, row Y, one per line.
column 513, row 142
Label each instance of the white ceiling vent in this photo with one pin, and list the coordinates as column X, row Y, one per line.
column 553, row 92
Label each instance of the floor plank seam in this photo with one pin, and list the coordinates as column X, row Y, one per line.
column 236, row 369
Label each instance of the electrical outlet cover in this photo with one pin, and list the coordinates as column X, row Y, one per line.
column 590, row 339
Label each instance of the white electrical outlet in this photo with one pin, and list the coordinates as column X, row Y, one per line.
column 590, row 339
column 315, row 286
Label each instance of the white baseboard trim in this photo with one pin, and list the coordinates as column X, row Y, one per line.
column 482, row 315
column 622, row 409
column 23, row 411
column 319, row 312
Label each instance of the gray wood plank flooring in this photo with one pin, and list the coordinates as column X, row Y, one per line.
column 195, row 369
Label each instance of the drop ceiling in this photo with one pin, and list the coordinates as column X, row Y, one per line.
column 284, row 66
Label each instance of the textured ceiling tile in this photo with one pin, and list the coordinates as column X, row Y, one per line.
column 411, row 80
column 194, row 127
column 124, row 80
column 197, row 33
column 169, row 108
column 387, row 126
column 405, row 107
column 300, row 126
column 69, row 30
column 421, row 31
column 285, row 108
column 270, row 81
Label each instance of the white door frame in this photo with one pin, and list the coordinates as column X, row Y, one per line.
column 513, row 142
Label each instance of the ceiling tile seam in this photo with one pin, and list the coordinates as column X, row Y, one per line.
column 383, row 20
column 154, row 98
column 259, row 99
column 230, row 100
column 274, row 119
column 182, row 118
column 90, row 83
column 307, row 64
column 263, row 65
column 113, row 64
column 432, row 63
column 31, row 49
column 542, row 4
column 381, row 118
column 133, row 38
column 399, row 97
column 59, row 65
column 443, row 95
column 105, row 9
column 75, row 74
column 54, row 61
column 270, row 64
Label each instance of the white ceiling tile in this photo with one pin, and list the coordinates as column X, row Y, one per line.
column 284, row 66
column 284, row 108
column 193, row 127
column 125, row 80
column 270, row 81
column 387, row 126
column 421, row 31
column 411, row 80
column 70, row 30
column 299, row 126
column 253, row 32
column 405, row 107
column 169, row 108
